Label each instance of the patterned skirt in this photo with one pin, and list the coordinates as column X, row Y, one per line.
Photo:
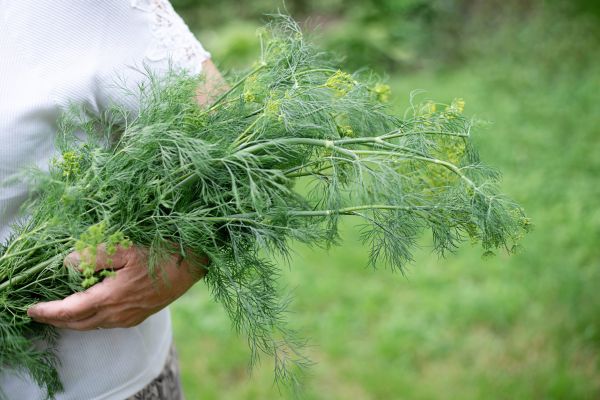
column 167, row 386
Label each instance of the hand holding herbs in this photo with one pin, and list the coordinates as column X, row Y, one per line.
column 291, row 148
column 127, row 299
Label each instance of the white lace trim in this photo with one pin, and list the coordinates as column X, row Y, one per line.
column 173, row 39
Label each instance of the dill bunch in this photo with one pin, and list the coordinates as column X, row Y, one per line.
column 293, row 146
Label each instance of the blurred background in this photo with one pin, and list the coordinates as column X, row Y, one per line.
column 520, row 327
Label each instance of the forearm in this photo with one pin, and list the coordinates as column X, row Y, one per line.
column 212, row 86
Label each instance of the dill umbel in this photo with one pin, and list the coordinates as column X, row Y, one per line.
column 289, row 149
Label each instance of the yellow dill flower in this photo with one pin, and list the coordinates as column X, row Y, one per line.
column 459, row 105
column 456, row 107
column 87, row 246
column 249, row 97
column 429, row 108
column 254, row 90
column 273, row 108
column 277, row 47
column 343, row 125
column 341, row 83
column 382, row 92
column 70, row 163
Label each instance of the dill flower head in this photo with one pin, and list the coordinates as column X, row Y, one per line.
column 70, row 164
column 278, row 48
column 459, row 105
column 255, row 90
column 456, row 108
column 87, row 246
column 341, row 83
column 430, row 108
column 382, row 92
column 273, row 108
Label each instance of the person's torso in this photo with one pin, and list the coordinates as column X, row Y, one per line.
column 49, row 58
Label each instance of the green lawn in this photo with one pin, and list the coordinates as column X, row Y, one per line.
column 520, row 327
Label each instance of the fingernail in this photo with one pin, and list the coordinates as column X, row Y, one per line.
column 32, row 311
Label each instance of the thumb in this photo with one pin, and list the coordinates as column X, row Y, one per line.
column 103, row 259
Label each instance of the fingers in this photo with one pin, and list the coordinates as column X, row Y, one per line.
column 96, row 321
column 121, row 301
column 103, row 319
column 103, row 259
column 86, row 324
column 106, row 320
column 73, row 308
column 101, row 306
column 82, row 305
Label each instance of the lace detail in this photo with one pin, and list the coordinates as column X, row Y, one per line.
column 173, row 39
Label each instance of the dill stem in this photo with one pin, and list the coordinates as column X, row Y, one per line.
column 29, row 272
column 310, row 71
column 241, row 139
column 354, row 154
column 399, row 133
column 17, row 240
column 453, row 168
column 329, row 144
column 311, row 173
column 28, row 250
column 251, row 217
column 353, row 210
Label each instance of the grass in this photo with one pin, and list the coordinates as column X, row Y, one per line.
column 525, row 326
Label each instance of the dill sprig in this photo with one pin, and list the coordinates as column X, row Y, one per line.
column 288, row 150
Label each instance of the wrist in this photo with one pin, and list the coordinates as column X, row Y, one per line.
column 195, row 265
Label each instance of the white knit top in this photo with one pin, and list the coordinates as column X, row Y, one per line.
column 54, row 53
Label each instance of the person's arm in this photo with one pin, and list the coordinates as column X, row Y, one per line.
column 214, row 84
column 131, row 296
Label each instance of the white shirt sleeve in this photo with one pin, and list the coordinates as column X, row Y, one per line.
column 171, row 38
column 93, row 48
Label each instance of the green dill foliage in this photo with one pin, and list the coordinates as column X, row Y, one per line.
column 290, row 148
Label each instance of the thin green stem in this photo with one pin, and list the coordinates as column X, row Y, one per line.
column 242, row 138
column 316, row 70
column 309, row 173
column 355, row 209
column 8, row 255
column 399, row 133
column 251, row 217
column 17, row 240
column 376, row 141
column 328, row 144
column 30, row 272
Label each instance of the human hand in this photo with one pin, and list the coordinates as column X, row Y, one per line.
column 126, row 299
